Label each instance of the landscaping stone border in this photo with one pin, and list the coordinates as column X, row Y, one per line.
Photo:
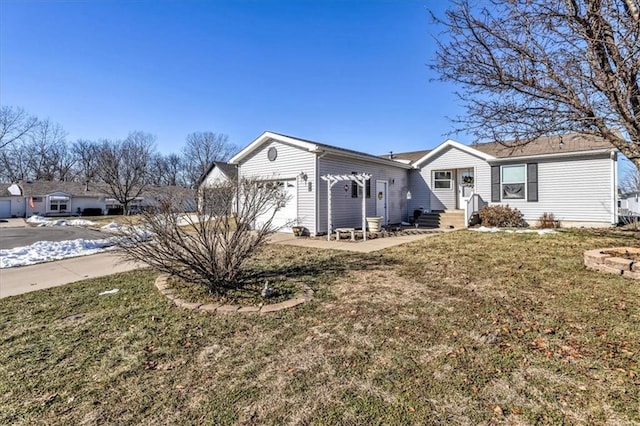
column 605, row 260
column 162, row 286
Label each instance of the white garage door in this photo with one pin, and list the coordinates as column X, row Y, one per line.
column 5, row 208
column 285, row 217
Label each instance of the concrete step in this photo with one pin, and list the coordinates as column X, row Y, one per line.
column 445, row 220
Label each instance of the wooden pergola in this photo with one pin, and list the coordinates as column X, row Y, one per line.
column 360, row 179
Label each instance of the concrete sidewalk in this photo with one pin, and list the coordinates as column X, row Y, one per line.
column 13, row 223
column 24, row 279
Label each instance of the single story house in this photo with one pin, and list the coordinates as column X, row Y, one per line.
column 217, row 172
column 629, row 204
column 572, row 176
column 50, row 198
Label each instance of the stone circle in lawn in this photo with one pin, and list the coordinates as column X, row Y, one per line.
column 623, row 261
column 162, row 286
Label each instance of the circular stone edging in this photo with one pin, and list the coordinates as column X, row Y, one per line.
column 605, row 260
column 161, row 285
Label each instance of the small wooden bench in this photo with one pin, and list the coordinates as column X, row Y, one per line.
column 352, row 231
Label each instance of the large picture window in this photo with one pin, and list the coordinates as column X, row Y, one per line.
column 513, row 182
column 442, row 180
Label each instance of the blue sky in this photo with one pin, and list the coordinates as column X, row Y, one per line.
column 351, row 73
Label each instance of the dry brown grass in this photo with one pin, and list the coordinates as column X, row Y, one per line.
column 462, row 328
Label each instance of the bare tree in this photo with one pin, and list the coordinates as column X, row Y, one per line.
column 123, row 166
column 15, row 125
column 47, row 151
column 14, row 163
column 629, row 180
column 201, row 149
column 86, row 154
column 215, row 245
column 166, row 169
column 534, row 67
column 174, row 170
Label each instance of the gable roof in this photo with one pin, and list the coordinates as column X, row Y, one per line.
column 4, row 190
column 41, row 188
column 229, row 170
column 546, row 145
column 311, row 146
column 450, row 143
column 411, row 156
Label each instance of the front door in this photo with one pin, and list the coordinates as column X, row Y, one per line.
column 466, row 185
column 381, row 200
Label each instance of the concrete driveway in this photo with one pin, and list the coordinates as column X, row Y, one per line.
column 24, row 279
column 12, row 237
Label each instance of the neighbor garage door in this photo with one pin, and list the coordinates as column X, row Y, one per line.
column 285, row 217
column 5, row 208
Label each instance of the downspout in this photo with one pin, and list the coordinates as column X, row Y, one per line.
column 614, row 193
column 317, row 194
column 237, row 190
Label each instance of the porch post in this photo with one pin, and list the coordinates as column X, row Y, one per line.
column 364, row 210
column 329, row 185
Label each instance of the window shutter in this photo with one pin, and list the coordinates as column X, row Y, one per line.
column 532, row 182
column 495, row 183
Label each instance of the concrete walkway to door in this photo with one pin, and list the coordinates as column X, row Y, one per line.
column 368, row 246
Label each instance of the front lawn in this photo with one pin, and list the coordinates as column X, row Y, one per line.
column 459, row 328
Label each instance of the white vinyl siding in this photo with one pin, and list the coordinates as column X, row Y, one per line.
column 573, row 189
column 5, row 208
column 420, row 192
column 347, row 211
column 451, row 159
column 291, row 161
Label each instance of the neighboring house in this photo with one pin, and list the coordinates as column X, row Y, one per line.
column 50, row 198
column 11, row 202
column 629, row 204
column 573, row 177
column 217, row 173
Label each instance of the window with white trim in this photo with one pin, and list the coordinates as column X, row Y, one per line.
column 513, row 182
column 356, row 190
column 58, row 206
column 442, row 180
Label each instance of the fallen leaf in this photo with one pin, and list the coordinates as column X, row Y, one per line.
column 498, row 410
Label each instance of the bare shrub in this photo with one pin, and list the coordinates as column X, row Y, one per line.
column 209, row 247
column 548, row 221
column 629, row 221
column 501, row 216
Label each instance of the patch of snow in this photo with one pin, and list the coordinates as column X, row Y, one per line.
column 124, row 230
column 517, row 231
column 46, row 251
column 37, row 219
column 111, row 226
column 485, row 229
column 45, row 221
